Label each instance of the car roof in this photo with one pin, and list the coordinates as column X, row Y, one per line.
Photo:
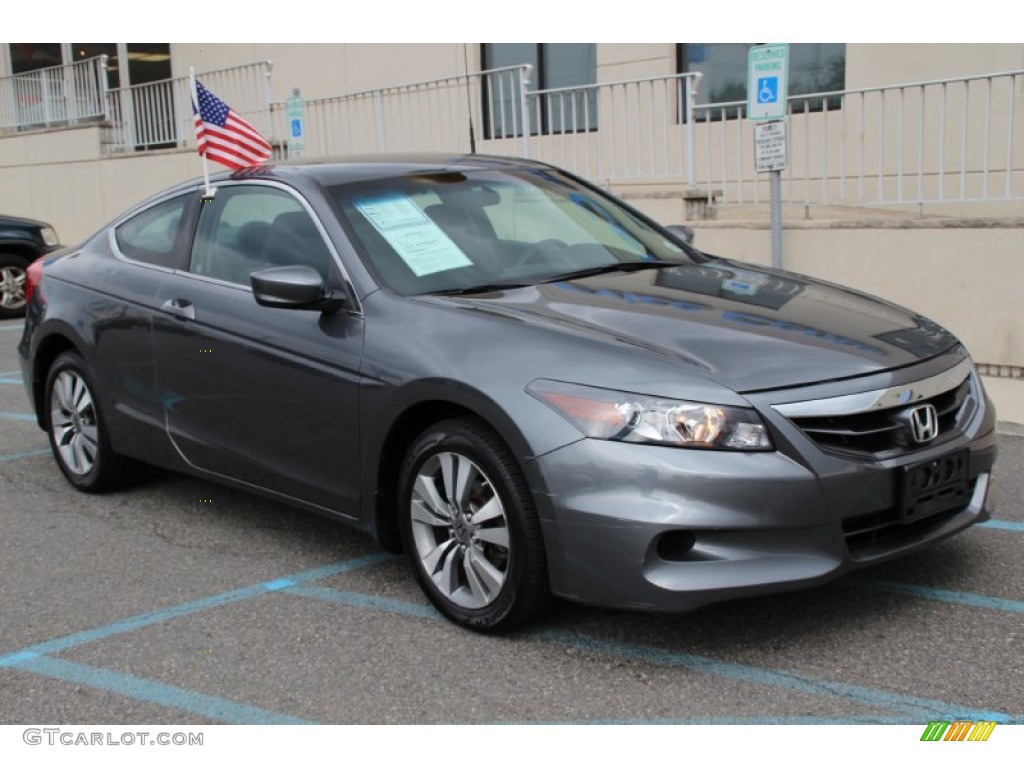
column 339, row 170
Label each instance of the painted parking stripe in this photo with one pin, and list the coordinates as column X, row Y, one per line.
column 913, row 707
column 213, row 707
column 1003, row 525
column 75, row 639
column 17, row 416
column 23, row 455
column 971, row 599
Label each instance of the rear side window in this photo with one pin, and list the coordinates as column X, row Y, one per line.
column 154, row 236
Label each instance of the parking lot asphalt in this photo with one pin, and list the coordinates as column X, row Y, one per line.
column 179, row 601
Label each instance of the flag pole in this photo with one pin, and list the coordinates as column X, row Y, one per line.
column 208, row 192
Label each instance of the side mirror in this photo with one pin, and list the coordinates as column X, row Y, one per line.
column 682, row 232
column 294, row 287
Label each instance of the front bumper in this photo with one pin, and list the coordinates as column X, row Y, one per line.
column 666, row 529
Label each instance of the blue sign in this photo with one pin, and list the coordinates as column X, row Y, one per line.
column 296, row 128
column 767, row 90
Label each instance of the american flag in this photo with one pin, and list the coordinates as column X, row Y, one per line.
column 225, row 137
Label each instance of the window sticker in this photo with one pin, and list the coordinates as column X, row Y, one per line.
column 420, row 243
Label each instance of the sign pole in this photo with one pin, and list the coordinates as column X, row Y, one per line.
column 767, row 91
column 775, row 184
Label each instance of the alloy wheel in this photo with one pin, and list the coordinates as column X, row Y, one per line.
column 12, row 287
column 73, row 423
column 460, row 530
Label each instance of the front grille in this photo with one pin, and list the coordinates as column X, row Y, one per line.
column 883, row 434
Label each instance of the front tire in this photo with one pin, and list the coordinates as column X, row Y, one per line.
column 12, row 285
column 77, row 430
column 470, row 528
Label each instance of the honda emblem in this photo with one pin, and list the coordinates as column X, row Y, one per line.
column 924, row 423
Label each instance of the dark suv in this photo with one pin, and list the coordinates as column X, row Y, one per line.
column 22, row 241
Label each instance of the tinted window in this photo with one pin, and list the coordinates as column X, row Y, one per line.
column 153, row 235
column 245, row 229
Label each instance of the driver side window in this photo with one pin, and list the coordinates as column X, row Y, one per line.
column 247, row 228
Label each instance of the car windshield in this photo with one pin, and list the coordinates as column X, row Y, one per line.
column 452, row 230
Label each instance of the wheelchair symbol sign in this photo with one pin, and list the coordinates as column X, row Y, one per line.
column 767, row 90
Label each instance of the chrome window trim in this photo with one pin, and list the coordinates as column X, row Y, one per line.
column 878, row 399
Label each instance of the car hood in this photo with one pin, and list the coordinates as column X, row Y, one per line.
column 746, row 327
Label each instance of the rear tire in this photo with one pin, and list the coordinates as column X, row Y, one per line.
column 470, row 528
column 77, row 429
column 12, row 285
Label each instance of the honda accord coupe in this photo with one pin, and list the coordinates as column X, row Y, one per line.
column 530, row 388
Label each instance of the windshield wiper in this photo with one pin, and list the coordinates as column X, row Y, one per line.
column 622, row 266
column 468, row 289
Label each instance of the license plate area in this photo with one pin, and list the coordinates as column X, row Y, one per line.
column 933, row 487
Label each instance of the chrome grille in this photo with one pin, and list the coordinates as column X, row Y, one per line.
column 883, row 433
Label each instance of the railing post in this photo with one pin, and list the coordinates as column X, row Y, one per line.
column 524, row 109
column 382, row 136
column 268, row 96
column 103, row 84
column 691, row 141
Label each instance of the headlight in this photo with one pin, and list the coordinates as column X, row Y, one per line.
column 49, row 235
column 610, row 415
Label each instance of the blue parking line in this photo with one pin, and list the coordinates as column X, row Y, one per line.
column 60, row 644
column 17, row 416
column 154, row 692
column 944, row 595
column 1003, row 525
column 23, row 455
column 914, row 708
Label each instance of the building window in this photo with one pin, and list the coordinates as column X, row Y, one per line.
column 813, row 68
column 556, row 66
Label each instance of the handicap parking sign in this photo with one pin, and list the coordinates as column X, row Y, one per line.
column 296, row 128
column 767, row 81
column 767, row 90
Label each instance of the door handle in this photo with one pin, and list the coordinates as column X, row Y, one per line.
column 183, row 309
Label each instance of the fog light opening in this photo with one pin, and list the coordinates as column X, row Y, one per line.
column 675, row 546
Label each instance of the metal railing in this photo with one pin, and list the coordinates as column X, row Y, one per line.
column 624, row 131
column 447, row 114
column 157, row 115
column 952, row 140
column 55, row 96
column 934, row 141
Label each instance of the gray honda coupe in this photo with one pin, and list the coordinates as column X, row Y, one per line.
column 531, row 388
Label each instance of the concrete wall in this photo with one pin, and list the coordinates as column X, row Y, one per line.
column 67, row 183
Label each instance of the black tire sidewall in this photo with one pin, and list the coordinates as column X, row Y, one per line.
column 513, row 605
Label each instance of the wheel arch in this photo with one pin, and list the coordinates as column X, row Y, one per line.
column 422, row 406
column 50, row 347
